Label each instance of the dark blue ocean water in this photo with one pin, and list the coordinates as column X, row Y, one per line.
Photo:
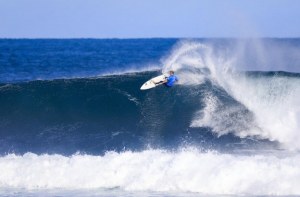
column 26, row 60
column 72, row 115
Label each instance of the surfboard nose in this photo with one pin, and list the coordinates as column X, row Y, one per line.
column 153, row 82
column 145, row 86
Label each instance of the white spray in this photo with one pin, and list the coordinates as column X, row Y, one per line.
column 274, row 101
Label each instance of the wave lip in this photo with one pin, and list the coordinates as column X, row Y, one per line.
column 156, row 170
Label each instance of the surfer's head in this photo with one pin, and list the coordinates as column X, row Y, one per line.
column 171, row 72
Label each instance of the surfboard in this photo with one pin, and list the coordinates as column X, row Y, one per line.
column 152, row 83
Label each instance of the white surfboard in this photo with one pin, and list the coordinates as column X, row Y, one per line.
column 152, row 83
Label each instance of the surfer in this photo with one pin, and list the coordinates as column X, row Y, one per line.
column 169, row 81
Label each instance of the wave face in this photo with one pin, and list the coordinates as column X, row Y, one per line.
column 96, row 115
column 111, row 113
column 237, row 127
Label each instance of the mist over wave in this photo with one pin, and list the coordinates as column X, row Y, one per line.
column 270, row 105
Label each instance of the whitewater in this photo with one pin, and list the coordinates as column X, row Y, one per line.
column 156, row 170
column 229, row 127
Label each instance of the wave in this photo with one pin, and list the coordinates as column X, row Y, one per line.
column 214, row 106
column 111, row 113
column 100, row 114
column 190, row 170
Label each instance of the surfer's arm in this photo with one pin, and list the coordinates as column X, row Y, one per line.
column 161, row 82
column 164, row 81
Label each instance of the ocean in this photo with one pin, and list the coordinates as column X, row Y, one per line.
column 74, row 122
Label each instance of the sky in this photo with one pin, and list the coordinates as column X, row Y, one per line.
column 149, row 18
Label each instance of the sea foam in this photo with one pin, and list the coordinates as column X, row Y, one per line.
column 156, row 170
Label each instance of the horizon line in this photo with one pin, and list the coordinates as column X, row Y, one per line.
column 136, row 38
